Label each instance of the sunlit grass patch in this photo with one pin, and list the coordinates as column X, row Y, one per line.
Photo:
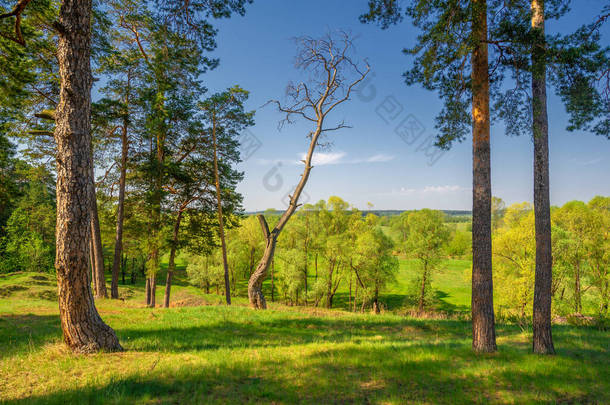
column 285, row 355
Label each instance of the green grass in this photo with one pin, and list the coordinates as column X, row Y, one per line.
column 450, row 285
column 218, row 354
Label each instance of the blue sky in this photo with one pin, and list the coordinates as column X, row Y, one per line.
column 370, row 163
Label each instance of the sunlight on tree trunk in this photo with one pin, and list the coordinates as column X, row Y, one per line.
column 542, row 339
column 483, row 329
column 83, row 329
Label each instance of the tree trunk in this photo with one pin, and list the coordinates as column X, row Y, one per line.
column 272, row 274
column 306, row 265
column 483, row 329
column 577, row 300
column 98, row 252
column 422, row 292
column 92, row 264
column 171, row 267
column 543, row 339
column 120, row 215
column 84, row 331
column 255, row 284
column 147, row 291
column 221, row 230
column 251, row 262
column 329, row 286
column 123, row 268
column 349, row 299
column 153, row 290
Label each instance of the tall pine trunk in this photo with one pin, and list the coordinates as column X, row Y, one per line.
column 221, row 230
column 84, row 331
column 483, row 329
column 171, row 267
column 120, row 215
column 543, row 339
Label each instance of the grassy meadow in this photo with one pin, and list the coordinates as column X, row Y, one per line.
column 203, row 352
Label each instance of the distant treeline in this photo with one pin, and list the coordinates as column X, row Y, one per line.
column 379, row 213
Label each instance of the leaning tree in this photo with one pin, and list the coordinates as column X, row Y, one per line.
column 332, row 75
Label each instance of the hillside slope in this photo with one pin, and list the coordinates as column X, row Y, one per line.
column 218, row 354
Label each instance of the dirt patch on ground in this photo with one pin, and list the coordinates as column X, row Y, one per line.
column 9, row 290
column 50, row 295
column 40, row 278
column 574, row 319
column 191, row 301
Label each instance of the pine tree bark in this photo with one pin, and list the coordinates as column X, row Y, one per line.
column 221, row 229
column 542, row 339
column 483, row 328
column 120, row 215
column 171, row 267
column 83, row 328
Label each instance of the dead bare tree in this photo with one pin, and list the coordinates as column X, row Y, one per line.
column 332, row 75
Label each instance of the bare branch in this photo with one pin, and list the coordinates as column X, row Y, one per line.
column 16, row 12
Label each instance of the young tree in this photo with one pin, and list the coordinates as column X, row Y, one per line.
column 598, row 249
column 374, row 264
column 224, row 112
column 514, row 248
column 428, row 236
column 333, row 74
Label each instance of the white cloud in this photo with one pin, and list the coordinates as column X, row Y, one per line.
column 328, row 158
column 380, row 157
column 427, row 190
column 322, row 158
column 442, row 189
column 589, row 162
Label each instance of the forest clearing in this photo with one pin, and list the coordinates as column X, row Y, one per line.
column 247, row 201
column 209, row 353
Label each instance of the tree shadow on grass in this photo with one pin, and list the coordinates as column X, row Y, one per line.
column 224, row 332
column 368, row 375
column 19, row 333
column 379, row 373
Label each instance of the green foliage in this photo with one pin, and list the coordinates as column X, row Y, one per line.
column 580, row 259
column 576, row 62
column 205, row 271
column 374, row 263
column 428, row 236
column 514, row 248
column 460, row 244
column 28, row 239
